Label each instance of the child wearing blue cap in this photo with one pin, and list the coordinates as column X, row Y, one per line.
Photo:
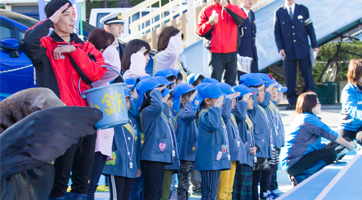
column 226, row 181
column 262, row 133
column 187, row 135
column 158, row 145
column 175, row 166
column 124, row 166
column 244, row 170
column 169, row 75
column 212, row 155
column 195, row 79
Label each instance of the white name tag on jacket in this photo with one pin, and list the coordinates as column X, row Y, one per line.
column 359, row 102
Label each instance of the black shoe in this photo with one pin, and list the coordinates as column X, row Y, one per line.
column 290, row 107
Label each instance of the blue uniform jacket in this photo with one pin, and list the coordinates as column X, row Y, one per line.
column 280, row 137
column 212, row 153
column 176, row 163
column 247, row 32
column 272, row 113
column 262, row 131
column 157, row 145
column 120, row 163
column 246, row 135
column 292, row 36
column 351, row 114
column 234, row 140
column 187, row 133
column 304, row 136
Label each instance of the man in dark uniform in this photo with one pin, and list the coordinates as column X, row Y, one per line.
column 292, row 25
column 247, row 32
column 113, row 23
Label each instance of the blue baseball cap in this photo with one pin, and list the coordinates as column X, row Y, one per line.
column 281, row 88
column 131, row 82
column 206, row 90
column 179, row 89
column 175, row 72
column 243, row 90
column 267, row 78
column 143, row 86
column 193, row 77
column 165, row 73
column 210, row 80
column 251, row 79
column 167, row 91
column 126, row 93
column 225, row 88
column 162, row 80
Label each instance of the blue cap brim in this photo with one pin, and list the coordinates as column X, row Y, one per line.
column 284, row 89
column 176, row 106
column 197, row 101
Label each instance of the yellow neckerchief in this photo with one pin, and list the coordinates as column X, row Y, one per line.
column 249, row 123
column 129, row 127
column 233, row 119
column 178, row 64
column 170, row 119
column 271, row 108
column 262, row 109
column 274, row 107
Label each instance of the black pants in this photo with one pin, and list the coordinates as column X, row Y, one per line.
column 98, row 165
column 153, row 178
column 274, row 182
column 290, row 71
column 264, row 177
column 78, row 159
column 328, row 156
column 224, row 61
column 352, row 134
column 120, row 187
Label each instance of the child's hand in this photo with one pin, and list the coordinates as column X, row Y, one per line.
column 193, row 95
column 138, row 173
column 234, row 95
column 246, row 96
column 59, row 50
column 56, row 16
column 142, row 50
column 219, row 101
column 164, row 99
column 160, row 88
column 252, row 150
column 270, row 88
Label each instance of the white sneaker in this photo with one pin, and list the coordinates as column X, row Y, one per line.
column 277, row 191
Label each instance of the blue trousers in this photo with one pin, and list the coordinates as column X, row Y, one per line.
column 98, row 165
column 290, row 72
column 209, row 184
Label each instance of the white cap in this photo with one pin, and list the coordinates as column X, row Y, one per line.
column 112, row 18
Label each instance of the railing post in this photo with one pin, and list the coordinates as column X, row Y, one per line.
column 191, row 22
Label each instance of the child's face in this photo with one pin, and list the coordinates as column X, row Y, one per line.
column 147, row 56
column 171, row 86
column 178, row 81
column 274, row 94
column 65, row 24
column 250, row 102
column 209, row 102
column 170, row 103
column 280, row 95
column 128, row 103
column 261, row 93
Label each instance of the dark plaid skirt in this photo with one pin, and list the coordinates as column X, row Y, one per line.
column 243, row 182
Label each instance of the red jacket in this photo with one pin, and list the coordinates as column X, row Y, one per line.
column 62, row 76
column 222, row 37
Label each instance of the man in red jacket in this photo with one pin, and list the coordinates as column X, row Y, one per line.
column 61, row 59
column 218, row 24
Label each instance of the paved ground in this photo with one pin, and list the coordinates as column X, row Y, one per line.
column 330, row 116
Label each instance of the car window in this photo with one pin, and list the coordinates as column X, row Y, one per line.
column 22, row 19
column 4, row 32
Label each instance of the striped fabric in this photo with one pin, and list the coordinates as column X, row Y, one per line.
column 209, row 184
column 275, row 157
column 243, row 182
column 308, row 21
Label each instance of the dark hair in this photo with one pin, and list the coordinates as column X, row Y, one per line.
column 201, row 77
column 100, row 38
column 187, row 94
column 132, row 47
column 54, row 5
column 180, row 77
column 306, row 102
column 253, row 86
column 354, row 71
column 171, row 78
column 146, row 100
column 165, row 36
column 202, row 105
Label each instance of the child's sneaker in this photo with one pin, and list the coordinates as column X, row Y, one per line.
column 276, row 193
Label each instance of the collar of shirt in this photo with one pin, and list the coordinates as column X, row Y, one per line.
column 245, row 10
column 288, row 7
